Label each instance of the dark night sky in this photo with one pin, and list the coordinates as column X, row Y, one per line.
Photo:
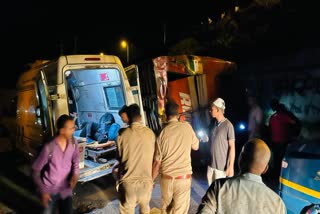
column 34, row 30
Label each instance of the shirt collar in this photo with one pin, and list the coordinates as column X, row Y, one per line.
column 252, row 177
column 55, row 140
column 173, row 120
column 222, row 121
column 136, row 124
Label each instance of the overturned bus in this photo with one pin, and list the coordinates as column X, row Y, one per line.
column 193, row 82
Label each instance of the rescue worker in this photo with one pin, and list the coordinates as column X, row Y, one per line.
column 245, row 193
column 173, row 161
column 136, row 145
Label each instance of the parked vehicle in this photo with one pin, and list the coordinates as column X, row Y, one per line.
column 88, row 86
column 300, row 178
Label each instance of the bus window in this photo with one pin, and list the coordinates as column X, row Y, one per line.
column 43, row 104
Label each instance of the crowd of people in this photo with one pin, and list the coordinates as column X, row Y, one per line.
column 283, row 127
column 143, row 157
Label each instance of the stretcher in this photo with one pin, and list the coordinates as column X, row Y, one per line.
column 95, row 150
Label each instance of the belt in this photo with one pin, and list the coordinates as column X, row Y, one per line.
column 178, row 177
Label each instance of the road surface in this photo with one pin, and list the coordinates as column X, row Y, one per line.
column 18, row 193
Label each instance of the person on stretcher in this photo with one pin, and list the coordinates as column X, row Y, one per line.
column 106, row 130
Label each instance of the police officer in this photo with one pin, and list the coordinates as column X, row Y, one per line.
column 136, row 145
column 173, row 161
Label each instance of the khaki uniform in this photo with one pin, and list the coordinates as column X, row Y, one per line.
column 173, row 149
column 136, row 145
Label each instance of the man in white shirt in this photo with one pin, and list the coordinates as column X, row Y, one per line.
column 245, row 193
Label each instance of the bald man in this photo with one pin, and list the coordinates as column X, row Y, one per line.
column 245, row 193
